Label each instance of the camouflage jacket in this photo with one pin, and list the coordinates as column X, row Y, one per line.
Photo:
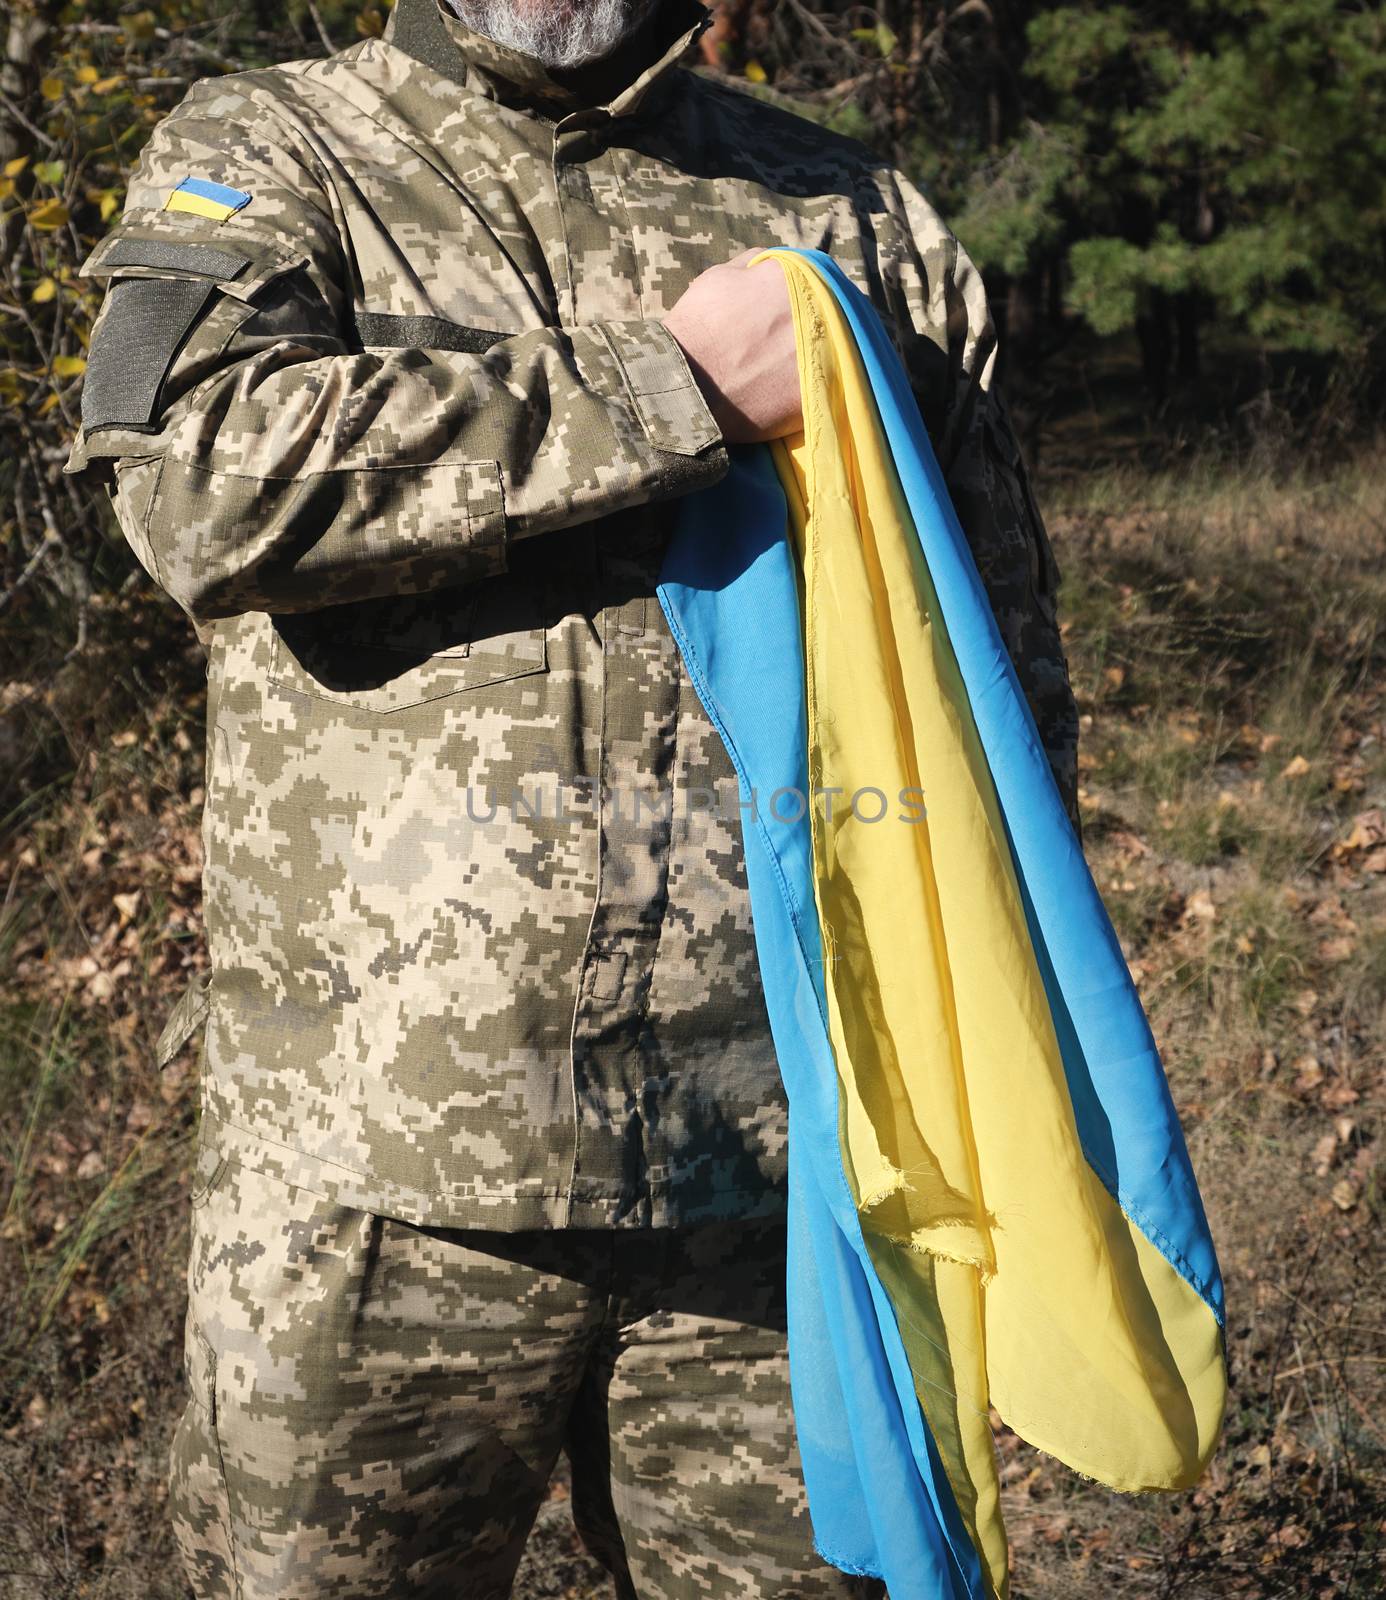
column 382, row 397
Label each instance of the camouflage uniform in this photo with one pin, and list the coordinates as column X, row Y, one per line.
column 377, row 1407
column 402, row 434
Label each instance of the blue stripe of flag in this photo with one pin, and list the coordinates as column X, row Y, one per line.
column 221, row 193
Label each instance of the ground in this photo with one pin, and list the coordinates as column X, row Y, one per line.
column 1225, row 635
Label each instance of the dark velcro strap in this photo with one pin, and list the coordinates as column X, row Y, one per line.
column 161, row 253
column 142, row 332
column 423, row 333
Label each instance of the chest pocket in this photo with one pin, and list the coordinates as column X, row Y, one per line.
column 382, row 656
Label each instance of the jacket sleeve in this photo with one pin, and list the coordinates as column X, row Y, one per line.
column 258, row 462
column 948, row 339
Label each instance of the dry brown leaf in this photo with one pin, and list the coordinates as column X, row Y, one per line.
column 1338, row 1095
column 1199, row 907
column 1308, row 1074
column 1336, row 949
column 1325, row 1154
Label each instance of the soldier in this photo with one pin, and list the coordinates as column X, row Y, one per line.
column 406, row 356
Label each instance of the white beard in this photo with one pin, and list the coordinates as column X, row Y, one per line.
column 558, row 33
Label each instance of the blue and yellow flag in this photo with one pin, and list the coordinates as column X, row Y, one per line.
column 991, row 1200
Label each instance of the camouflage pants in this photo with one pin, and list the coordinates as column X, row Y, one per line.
column 376, row 1408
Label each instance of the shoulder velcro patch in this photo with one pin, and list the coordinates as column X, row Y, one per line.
column 204, row 199
column 144, row 328
column 208, row 261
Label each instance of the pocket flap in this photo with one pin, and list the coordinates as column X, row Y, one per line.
column 184, row 1020
column 150, row 243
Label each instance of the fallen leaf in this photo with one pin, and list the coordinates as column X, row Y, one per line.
column 1199, row 907
column 1308, row 1074
column 1338, row 1095
column 1129, row 843
column 1325, row 1154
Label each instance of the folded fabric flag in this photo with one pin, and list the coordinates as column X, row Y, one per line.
column 990, row 1199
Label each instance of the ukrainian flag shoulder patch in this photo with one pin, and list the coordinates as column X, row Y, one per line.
column 215, row 200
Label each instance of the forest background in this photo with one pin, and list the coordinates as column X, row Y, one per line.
column 1179, row 211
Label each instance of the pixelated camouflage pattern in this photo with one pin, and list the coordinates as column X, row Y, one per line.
column 426, row 575
column 375, row 1409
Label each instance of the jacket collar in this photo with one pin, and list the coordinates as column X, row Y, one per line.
column 631, row 75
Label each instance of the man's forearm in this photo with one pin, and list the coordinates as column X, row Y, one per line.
column 261, row 463
column 294, row 480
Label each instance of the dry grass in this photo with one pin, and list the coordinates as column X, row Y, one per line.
column 1225, row 635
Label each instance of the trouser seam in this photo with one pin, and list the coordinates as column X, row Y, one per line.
column 214, row 1421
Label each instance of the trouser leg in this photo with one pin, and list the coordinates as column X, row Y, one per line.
column 375, row 1409
column 687, row 1480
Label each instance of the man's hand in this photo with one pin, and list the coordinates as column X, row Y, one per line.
column 734, row 324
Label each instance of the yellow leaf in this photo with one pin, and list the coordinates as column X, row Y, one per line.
column 6, row 188
column 51, row 88
column 43, row 291
column 51, row 214
column 105, row 85
column 49, row 402
column 1296, row 768
column 87, row 74
column 140, row 25
column 69, row 366
column 755, row 73
column 15, row 167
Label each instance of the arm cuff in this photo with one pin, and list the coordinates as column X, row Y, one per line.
column 663, row 391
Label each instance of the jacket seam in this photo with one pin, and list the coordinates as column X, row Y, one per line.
column 328, row 472
column 564, row 1191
